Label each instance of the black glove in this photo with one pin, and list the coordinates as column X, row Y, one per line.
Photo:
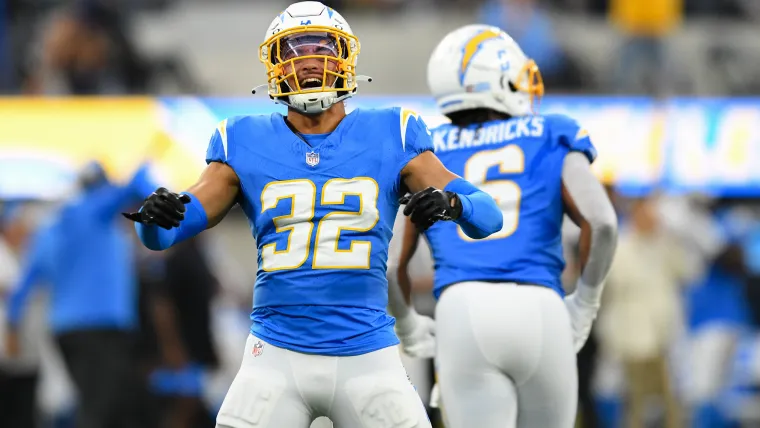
column 162, row 208
column 431, row 205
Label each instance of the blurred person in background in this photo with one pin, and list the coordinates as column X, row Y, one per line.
column 180, row 288
column 85, row 255
column 20, row 356
column 720, row 320
column 716, row 307
column 717, row 314
column 643, row 64
column 20, row 24
column 87, row 50
column 642, row 312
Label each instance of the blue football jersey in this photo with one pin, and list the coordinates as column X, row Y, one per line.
column 519, row 163
column 322, row 217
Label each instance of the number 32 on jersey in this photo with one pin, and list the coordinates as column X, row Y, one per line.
column 507, row 194
column 299, row 225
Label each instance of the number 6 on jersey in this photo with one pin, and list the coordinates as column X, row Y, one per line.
column 507, row 194
column 299, row 226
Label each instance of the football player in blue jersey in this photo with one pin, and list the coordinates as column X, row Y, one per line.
column 506, row 341
column 321, row 190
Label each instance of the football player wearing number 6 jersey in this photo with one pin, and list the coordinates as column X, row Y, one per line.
column 321, row 190
column 506, row 341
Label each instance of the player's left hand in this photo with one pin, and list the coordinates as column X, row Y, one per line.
column 417, row 335
column 582, row 316
column 431, row 205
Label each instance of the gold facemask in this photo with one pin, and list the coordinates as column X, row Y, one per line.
column 529, row 81
column 283, row 70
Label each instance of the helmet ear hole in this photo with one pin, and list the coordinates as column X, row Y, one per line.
column 339, row 82
column 343, row 48
column 284, row 87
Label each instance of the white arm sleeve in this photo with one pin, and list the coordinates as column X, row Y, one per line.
column 591, row 200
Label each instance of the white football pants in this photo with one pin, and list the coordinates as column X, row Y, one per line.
column 505, row 357
column 278, row 388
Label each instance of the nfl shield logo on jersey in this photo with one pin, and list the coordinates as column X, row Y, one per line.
column 312, row 158
column 258, row 348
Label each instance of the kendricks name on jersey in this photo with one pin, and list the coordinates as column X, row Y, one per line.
column 453, row 138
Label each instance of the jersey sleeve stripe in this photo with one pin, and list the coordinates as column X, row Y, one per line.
column 405, row 115
column 581, row 134
column 222, row 128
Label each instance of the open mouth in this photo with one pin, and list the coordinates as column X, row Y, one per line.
column 311, row 82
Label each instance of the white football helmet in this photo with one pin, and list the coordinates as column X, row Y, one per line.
column 310, row 30
column 480, row 66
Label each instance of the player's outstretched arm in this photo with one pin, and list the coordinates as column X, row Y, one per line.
column 588, row 205
column 217, row 191
column 167, row 218
column 472, row 209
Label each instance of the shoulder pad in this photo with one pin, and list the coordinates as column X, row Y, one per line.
column 566, row 132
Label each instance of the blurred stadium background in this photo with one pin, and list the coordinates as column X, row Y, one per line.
column 669, row 90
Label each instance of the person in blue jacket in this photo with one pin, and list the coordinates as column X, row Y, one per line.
column 86, row 258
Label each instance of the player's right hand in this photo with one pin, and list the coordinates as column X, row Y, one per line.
column 417, row 335
column 162, row 208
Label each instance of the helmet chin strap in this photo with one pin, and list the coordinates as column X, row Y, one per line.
column 311, row 104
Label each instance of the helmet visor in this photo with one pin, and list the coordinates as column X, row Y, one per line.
column 299, row 45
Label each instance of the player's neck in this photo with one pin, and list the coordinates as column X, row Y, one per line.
column 323, row 123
